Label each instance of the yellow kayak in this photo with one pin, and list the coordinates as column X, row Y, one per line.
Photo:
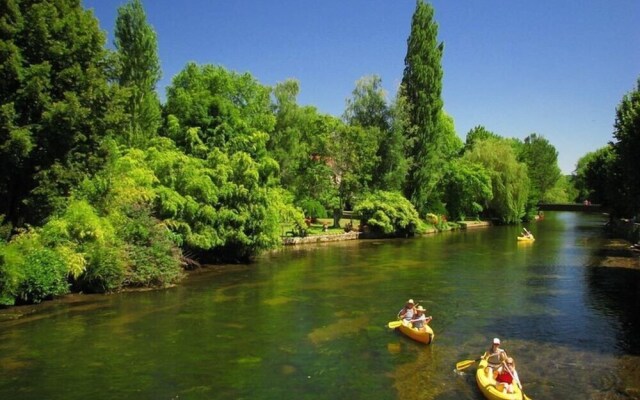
column 487, row 386
column 425, row 337
column 526, row 239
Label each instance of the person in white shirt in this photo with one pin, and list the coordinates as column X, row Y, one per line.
column 407, row 312
column 495, row 356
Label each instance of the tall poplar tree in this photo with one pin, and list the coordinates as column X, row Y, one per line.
column 422, row 86
column 139, row 71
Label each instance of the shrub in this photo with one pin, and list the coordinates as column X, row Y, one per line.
column 313, row 208
column 10, row 277
column 29, row 271
column 154, row 259
column 45, row 276
column 389, row 213
column 105, row 269
column 5, row 229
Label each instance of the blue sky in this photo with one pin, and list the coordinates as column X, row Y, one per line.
column 557, row 68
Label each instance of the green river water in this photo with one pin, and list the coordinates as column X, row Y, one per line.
column 309, row 322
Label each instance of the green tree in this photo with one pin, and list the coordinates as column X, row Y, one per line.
column 562, row 192
column 626, row 146
column 451, row 144
column 389, row 213
column 285, row 143
column 422, row 86
column 509, row 180
column 368, row 108
column 54, row 104
column 466, row 188
column 579, row 177
column 594, row 176
column 391, row 172
column 300, row 143
column 139, row 71
column 541, row 159
column 353, row 158
column 211, row 107
column 477, row 134
column 219, row 207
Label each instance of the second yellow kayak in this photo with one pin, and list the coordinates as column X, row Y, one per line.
column 487, row 386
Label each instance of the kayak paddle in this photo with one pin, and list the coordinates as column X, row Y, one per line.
column 466, row 364
column 394, row 324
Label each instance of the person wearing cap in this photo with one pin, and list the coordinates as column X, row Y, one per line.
column 495, row 356
column 407, row 312
column 507, row 377
column 419, row 320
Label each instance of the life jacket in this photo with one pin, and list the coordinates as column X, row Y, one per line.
column 504, row 376
column 495, row 358
column 408, row 313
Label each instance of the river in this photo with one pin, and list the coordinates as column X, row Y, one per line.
column 309, row 322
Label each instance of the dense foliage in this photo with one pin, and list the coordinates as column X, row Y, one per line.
column 466, row 189
column 55, row 105
column 509, row 180
column 138, row 72
column 109, row 188
column 626, row 147
column 610, row 174
column 389, row 213
column 430, row 136
column 541, row 159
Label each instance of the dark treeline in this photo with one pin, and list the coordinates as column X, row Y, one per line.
column 610, row 175
column 104, row 187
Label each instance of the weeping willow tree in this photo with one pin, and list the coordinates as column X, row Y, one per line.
column 509, row 180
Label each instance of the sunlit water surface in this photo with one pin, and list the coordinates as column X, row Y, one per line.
column 310, row 323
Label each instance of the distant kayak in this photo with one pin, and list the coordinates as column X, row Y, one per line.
column 526, row 238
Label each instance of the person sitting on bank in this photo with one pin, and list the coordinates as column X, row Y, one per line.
column 495, row 357
column 407, row 312
column 420, row 320
column 507, row 377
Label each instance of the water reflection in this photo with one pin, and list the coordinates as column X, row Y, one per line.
column 310, row 322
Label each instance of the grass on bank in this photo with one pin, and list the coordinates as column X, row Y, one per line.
column 316, row 228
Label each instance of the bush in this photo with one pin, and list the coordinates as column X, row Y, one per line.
column 29, row 272
column 45, row 276
column 154, row 260
column 105, row 269
column 389, row 213
column 313, row 208
column 5, row 230
column 10, row 277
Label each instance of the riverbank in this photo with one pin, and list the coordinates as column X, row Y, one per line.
column 621, row 250
column 355, row 235
column 617, row 253
column 625, row 228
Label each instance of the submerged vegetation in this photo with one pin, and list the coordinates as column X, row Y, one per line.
column 104, row 187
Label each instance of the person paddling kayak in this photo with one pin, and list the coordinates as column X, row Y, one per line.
column 420, row 320
column 495, row 356
column 407, row 312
